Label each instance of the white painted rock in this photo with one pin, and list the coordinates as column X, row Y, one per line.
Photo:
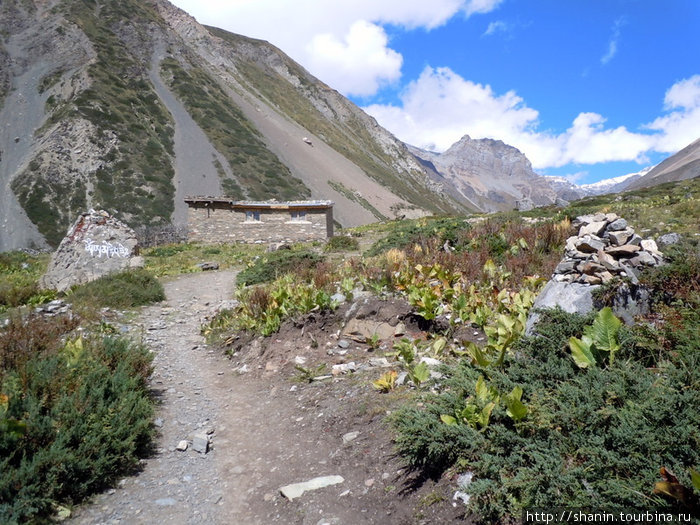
column 96, row 245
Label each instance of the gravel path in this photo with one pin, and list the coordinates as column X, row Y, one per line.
column 180, row 487
column 266, row 432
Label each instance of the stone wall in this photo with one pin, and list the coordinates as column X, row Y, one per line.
column 221, row 224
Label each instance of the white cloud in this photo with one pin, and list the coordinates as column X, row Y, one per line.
column 327, row 37
column 498, row 26
column 614, row 40
column 440, row 107
column 360, row 64
column 480, row 6
column 681, row 126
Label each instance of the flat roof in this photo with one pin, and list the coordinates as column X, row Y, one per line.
column 259, row 204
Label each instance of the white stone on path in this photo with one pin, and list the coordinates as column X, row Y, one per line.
column 295, row 490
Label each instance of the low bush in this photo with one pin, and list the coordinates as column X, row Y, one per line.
column 403, row 234
column 342, row 243
column 262, row 308
column 19, row 277
column 75, row 414
column 595, row 436
column 266, row 268
column 120, row 290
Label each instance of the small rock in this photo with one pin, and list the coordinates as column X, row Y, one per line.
column 344, row 343
column 350, row 436
column 343, row 368
column 165, row 502
column 593, row 228
column 295, row 490
column 589, row 245
column 182, row 445
column 430, row 361
column 669, row 239
column 158, row 422
column 565, row 267
column 379, row 362
column 589, row 267
column 200, row 443
column 635, row 240
column 460, row 496
column 649, row 245
column 605, row 277
column 608, row 261
column 628, row 250
column 338, row 298
column 208, row 266
column 617, row 225
column 643, row 258
column 619, row 238
column 401, row 379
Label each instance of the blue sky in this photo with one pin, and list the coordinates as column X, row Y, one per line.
column 587, row 89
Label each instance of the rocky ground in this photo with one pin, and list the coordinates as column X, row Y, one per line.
column 265, row 427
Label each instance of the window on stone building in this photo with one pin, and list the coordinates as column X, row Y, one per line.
column 298, row 216
column 252, row 216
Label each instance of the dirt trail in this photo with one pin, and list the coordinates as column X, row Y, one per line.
column 267, row 432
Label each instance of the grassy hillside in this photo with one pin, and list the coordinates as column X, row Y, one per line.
column 340, row 128
column 260, row 175
column 136, row 173
column 669, row 207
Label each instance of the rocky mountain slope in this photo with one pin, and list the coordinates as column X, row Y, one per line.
column 131, row 105
column 488, row 175
column 683, row 165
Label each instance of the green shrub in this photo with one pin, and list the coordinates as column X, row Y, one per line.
column 262, row 308
column 269, row 267
column 19, row 277
column 168, row 250
column 121, row 290
column 403, row 234
column 74, row 416
column 342, row 243
column 599, row 434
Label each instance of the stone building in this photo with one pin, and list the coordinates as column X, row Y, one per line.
column 220, row 220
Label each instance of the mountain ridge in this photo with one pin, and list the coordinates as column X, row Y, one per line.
column 132, row 106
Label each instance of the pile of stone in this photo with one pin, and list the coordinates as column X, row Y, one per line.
column 604, row 248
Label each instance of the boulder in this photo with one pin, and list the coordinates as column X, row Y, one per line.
column 668, row 239
column 570, row 297
column 96, row 245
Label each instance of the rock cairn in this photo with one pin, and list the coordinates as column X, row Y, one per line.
column 604, row 248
